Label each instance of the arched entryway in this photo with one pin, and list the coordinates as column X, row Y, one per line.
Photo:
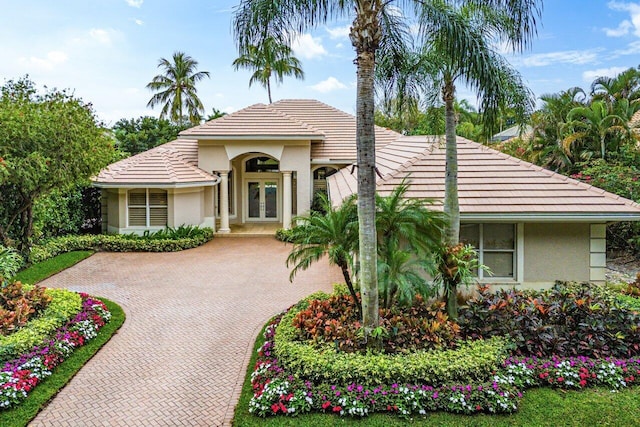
column 262, row 187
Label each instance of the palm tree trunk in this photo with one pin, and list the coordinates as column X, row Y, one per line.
column 603, row 147
column 352, row 291
column 269, row 90
column 365, row 37
column 451, row 205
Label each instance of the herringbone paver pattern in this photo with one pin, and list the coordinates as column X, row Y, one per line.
column 192, row 317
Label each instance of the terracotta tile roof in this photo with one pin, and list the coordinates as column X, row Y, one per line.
column 173, row 163
column 257, row 121
column 338, row 127
column 489, row 182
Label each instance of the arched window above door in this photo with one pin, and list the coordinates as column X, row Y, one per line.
column 262, row 164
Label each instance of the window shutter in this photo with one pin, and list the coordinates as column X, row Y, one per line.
column 137, row 217
column 137, row 197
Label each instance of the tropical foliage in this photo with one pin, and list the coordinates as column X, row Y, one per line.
column 592, row 137
column 64, row 145
column 176, row 89
column 269, row 58
column 134, row 136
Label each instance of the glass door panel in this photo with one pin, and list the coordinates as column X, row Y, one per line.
column 255, row 201
column 270, row 199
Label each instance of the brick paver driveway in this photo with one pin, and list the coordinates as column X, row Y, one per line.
column 192, row 317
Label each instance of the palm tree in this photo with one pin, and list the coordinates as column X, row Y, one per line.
column 176, row 88
column 268, row 58
column 497, row 84
column 408, row 232
column 595, row 125
column 333, row 234
column 377, row 28
column 625, row 85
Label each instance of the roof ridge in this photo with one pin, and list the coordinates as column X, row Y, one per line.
column 293, row 119
column 411, row 161
column 553, row 174
column 331, row 107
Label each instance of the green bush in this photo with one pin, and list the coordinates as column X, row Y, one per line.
column 10, row 262
column 63, row 306
column 470, row 361
column 569, row 320
column 629, row 302
column 284, row 235
column 169, row 241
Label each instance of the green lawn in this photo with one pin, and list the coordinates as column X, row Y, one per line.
column 46, row 390
column 38, row 272
column 539, row 407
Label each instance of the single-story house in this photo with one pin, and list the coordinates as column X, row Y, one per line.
column 264, row 163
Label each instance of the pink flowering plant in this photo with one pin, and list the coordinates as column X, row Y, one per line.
column 19, row 376
column 278, row 393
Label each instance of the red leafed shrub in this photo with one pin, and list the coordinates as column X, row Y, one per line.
column 633, row 288
column 404, row 329
column 568, row 320
column 18, row 306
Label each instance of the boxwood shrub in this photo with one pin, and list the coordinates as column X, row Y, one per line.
column 63, row 306
column 470, row 361
column 119, row 243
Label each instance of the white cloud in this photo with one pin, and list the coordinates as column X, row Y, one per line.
column 139, row 21
column 101, row 36
column 49, row 62
column 339, row 32
column 591, row 75
column 329, row 85
column 135, row 3
column 562, row 57
column 622, row 30
column 633, row 48
column 308, row 47
column 625, row 26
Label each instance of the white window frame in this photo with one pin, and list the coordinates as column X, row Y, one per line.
column 517, row 253
column 147, row 205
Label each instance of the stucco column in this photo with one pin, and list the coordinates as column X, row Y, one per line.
column 224, row 202
column 286, row 199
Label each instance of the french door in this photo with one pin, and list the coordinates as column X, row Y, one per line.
column 262, row 200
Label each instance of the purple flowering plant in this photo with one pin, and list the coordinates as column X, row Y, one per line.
column 19, row 376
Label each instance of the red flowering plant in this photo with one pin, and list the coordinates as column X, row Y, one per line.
column 19, row 376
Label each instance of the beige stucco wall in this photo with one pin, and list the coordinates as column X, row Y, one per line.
column 188, row 206
column 113, row 210
column 554, row 251
column 293, row 155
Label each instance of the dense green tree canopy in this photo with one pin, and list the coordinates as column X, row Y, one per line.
column 137, row 135
column 47, row 141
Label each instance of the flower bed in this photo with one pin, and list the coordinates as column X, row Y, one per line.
column 18, row 377
column 277, row 392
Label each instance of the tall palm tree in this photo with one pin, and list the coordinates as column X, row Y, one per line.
column 176, row 88
column 333, row 234
column 269, row 58
column 377, row 28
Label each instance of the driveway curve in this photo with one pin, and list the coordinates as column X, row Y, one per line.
column 192, row 317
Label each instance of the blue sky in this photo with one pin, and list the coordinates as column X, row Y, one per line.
column 108, row 50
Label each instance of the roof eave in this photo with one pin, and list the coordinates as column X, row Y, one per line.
column 271, row 137
column 155, row 184
column 551, row 217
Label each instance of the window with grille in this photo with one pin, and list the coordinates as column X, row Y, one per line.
column 496, row 246
column 147, row 207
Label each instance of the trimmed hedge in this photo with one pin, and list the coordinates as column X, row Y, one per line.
column 116, row 243
column 63, row 306
column 470, row 361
